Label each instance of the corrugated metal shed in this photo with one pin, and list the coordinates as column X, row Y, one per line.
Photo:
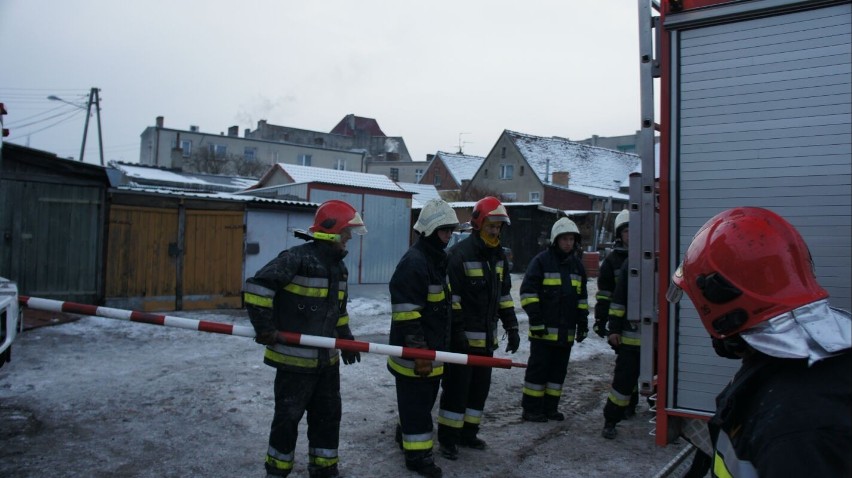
column 384, row 206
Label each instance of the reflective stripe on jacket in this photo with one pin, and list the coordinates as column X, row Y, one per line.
column 554, row 295
column 303, row 290
column 481, row 288
column 420, row 306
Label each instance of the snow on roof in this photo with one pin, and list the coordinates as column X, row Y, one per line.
column 140, row 175
column 220, row 196
column 308, row 174
column 588, row 165
column 461, row 166
column 598, row 192
column 422, row 193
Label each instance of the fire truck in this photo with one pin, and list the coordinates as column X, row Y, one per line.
column 754, row 108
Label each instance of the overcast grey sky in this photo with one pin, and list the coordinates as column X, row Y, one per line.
column 426, row 71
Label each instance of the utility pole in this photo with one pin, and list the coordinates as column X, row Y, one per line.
column 94, row 97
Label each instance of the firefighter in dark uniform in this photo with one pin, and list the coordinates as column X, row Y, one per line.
column 609, row 272
column 421, row 318
column 481, row 286
column 304, row 290
column 554, row 296
column 625, row 338
column 750, row 276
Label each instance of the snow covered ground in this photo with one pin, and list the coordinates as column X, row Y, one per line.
column 104, row 398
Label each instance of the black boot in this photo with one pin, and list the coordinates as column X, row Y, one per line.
column 449, row 451
column 324, row 472
column 425, row 466
column 556, row 416
column 609, row 431
column 533, row 417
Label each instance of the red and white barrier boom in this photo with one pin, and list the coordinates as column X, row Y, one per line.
column 284, row 337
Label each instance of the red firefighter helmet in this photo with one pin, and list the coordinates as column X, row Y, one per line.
column 744, row 266
column 332, row 217
column 488, row 208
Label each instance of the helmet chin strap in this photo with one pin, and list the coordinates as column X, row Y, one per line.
column 488, row 240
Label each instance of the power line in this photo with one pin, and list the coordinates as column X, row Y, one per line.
column 72, row 115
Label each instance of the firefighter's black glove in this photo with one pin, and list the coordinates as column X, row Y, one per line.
column 350, row 357
column 602, row 310
column 514, row 340
column 458, row 343
column 600, row 328
column 266, row 338
column 582, row 331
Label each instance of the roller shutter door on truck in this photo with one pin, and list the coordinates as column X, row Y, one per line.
column 762, row 112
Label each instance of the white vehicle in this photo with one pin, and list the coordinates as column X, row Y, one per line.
column 10, row 318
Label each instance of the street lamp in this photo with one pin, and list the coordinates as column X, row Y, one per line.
column 94, row 97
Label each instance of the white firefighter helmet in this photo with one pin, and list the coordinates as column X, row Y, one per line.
column 621, row 220
column 435, row 215
column 564, row 226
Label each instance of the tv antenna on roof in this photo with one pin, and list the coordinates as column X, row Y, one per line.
column 462, row 143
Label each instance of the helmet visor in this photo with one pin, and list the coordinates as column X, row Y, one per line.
column 356, row 225
column 675, row 293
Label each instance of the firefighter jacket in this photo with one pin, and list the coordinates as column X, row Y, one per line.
column 618, row 322
column 607, row 276
column 303, row 290
column 420, row 306
column 780, row 417
column 481, row 287
column 554, row 296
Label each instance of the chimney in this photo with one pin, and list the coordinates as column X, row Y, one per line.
column 350, row 120
column 561, row 178
column 430, row 157
column 247, row 133
column 193, row 128
column 159, row 121
column 233, row 131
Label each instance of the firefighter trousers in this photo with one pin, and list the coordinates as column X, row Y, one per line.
column 464, row 391
column 624, row 394
column 415, row 399
column 546, row 370
column 318, row 394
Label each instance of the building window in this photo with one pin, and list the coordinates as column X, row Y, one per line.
column 506, row 171
column 503, row 152
column 340, row 164
column 509, row 197
column 394, row 174
column 535, row 196
column 418, row 175
column 304, row 160
column 218, row 150
column 186, row 148
column 319, row 141
column 522, row 171
column 250, row 154
column 437, row 180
